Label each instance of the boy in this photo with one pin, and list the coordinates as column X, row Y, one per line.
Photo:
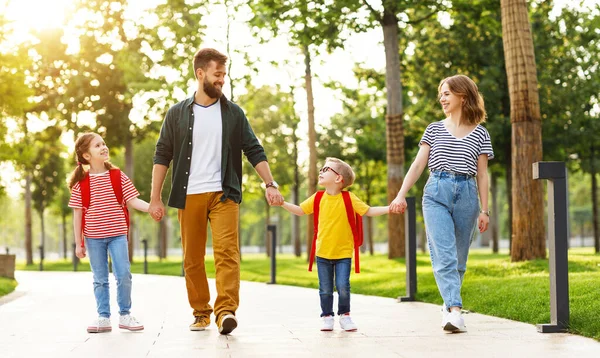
column 335, row 241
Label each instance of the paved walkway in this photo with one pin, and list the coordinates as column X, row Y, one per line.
column 48, row 313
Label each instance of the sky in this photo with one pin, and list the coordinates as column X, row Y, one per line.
column 365, row 48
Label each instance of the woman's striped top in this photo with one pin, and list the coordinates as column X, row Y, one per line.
column 452, row 154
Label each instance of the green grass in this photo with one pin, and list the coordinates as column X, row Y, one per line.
column 493, row 285
column 7, row 285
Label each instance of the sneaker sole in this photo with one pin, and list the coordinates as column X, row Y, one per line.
column 351, row 330
column 131, row 328
column 326, row 329
column 228, row 325
column 449, row 327
column 99, row 330
column 197, row 329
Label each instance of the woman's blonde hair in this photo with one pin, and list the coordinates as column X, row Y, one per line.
column 473, row 110
column 344, row 169
column 82, row 146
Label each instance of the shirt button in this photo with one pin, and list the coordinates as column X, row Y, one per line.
column 188, row 158
column 190, row 143
column 184, row 187
column 190, row 128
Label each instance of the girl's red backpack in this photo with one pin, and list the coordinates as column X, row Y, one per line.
column 354, row 219
column 115, row 180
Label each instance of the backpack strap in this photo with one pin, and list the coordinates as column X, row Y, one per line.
column 356, row 225
column 313, row 248
column 84, row 187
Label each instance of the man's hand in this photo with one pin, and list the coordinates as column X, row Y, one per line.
column 156, row 210
column 274, row 197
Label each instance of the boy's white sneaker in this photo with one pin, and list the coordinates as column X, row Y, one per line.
column 100, row 325
column 129, row 322
column 454, row 322
column 327, row 323
column 347, row 324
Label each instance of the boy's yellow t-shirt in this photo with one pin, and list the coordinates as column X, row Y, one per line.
column 335, row 239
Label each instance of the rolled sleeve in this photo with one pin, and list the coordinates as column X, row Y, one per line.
column 251, row 146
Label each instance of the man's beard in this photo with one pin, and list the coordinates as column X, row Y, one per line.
column 211, row 91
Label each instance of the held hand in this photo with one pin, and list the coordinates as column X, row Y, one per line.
column 274, row 197
column 398, row 205
column 156, row 210
column 80, row 251
column 482, row 222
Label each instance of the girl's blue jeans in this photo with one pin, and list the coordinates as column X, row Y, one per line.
column 329, row 271
column 450, row 210
column 97, row 250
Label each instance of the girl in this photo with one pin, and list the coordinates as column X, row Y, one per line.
column 456, row 150
column 103, row 221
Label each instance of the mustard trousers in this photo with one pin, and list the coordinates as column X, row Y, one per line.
column 201, row 209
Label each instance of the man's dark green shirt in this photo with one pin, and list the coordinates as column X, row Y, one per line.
column 175, row 144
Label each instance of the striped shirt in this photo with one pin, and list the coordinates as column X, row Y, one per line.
column 452, row 154
column 105, row 217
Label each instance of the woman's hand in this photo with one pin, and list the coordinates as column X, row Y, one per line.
column 398, row 205
column 482, row 222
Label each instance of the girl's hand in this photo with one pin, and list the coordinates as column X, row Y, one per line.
column 482, row 222
column 80, row 251
column 398, row 205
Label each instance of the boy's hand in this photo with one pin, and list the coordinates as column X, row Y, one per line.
column 398, row 205
column 80, row 251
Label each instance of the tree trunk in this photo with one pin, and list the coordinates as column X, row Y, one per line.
column 394, row 130
column 594, row 200
column 163, row 237
column 296, row 200
column 130, row 173
column 528, row 232
column 494, row 225
column 64, row 234
column 28, row 235
column 312, row 147
column 43, row 233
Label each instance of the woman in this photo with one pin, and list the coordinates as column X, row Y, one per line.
column 457, row 150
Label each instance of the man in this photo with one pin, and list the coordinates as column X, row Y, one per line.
column 205, row 136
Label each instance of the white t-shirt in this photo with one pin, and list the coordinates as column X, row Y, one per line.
column 207, row 141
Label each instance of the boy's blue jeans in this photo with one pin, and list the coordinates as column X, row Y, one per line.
column 97, row 250
column 450, row 210
column 328, row 271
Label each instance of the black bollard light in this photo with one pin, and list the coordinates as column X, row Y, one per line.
column 556, row 173
column 7, row 250
column 273, row 230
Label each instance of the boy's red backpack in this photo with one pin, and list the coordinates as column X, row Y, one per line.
column 115, row 180
column 354, row 219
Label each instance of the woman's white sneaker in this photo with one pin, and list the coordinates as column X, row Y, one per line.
column 454, row 322
column 100, row 325
column 129, row 322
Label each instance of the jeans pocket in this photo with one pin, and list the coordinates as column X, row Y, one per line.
column 431, row 187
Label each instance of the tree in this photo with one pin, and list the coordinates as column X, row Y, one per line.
column 48, row 172
column 275, row 122
column 310, row 25
column 528, row 233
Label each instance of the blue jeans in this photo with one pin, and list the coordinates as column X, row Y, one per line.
column 328, row 271
column 97, row 250
column 450, row 210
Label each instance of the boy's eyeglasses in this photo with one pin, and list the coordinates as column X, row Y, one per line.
column 326, row 169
